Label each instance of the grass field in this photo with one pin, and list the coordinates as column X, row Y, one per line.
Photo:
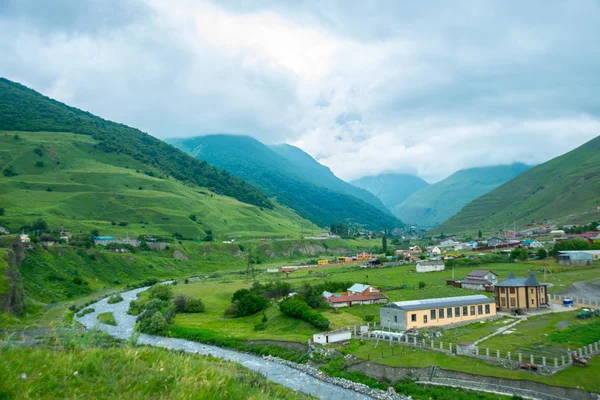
column 131, row 372
column 402, row 356
column 74, row 185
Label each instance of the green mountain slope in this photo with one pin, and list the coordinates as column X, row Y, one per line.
column 68, row 180
column 564, row 186
column 23, row 109
column 436, row 203
column 319, row 175
column 392, row 189
column 276, row 176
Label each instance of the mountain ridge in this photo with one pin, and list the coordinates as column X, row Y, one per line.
column 391, row 188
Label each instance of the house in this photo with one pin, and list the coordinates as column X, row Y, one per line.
column 557, row 232
column 104, row 240
column 47, row 240
column 331, row 337
column 359, row 288
column 415, row 249
column 574, row 258
column 414, row 314
column 158, row 245
column 473, row 244
column 364, row 256
column 493, row 242
column 435, row 251
column 520, row 293
column 323, row 262
column 480, row 280
column 430, row 266
column 4, row 231
column 24, row 238
column 594, row 253
column 447, row 243
column 357, row 294
column 532, row 244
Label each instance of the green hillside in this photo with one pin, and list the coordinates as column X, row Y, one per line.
column 563, row 187
column 319, row 175
column 256, row 163
column 392, row 189
column 436, row 203
column 23, row 109
column 70, row 181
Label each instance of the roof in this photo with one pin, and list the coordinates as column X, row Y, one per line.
column 521, row 282
column 358, row 287
column 528, row 241
column 327, row 294
column 430, row 262
column 357, row 297
column 103, row 238
column 440, row 302
column 480, row 272
column 593, row 252
column 475, row 281
column 343, row 330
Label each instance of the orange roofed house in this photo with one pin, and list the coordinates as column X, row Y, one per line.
column 357, row 294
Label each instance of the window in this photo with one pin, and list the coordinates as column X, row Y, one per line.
column 513, row 302
column 457, row 311
column 472, row 310
column 502, row 290
column 487, row 308
column 503, row 302
column 465, row 311
column 396, row 318
column 532, row 302
column 432, row 312
column 531, row 291
column 449, row 312
column 441, row 313
column 479, row 309
column 424, row 319
column 413, row 317
column 512, row 290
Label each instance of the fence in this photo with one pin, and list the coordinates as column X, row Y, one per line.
column 544, row 364
column 558, row 299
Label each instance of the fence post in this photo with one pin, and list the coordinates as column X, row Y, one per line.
column 450, row 347
column 531, row 358
column 580, row 353
column 508, row 355
column 415, row 341
column 520, row 357
column 562, row 360
column 544, row 361
column 497, row 353
column 441, row 345
column 476, row 351
column 555, row 362
column 596, row 346
column 432, row 344
column 423, row 342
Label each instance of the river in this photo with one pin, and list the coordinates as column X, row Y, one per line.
column 282, row 374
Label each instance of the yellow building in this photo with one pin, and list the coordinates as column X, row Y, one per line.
column 414, row 314
column 520, row 293
column 323, row 262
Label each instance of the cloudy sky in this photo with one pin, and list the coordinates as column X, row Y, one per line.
column 365, row 87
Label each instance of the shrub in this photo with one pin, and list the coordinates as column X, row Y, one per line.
column 107, row 318
column 153, row 324
column 135, row 307
column 169, row 314
column 154, row 305
column 369, row 318
column 298, row 308
column 85, row 312
column 422, row 285
column 114, row 299
column 194, row 306
column 161, row 292
column 39, row 164
column 542, row 253
column 250, row 304
column 180, row 302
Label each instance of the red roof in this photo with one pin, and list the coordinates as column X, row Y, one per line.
column 361, row 297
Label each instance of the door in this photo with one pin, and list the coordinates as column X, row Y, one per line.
column 424, row 319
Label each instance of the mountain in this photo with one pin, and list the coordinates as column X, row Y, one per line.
column 81, row 172
column 284, row 180
column 436, row 203
column 319, row 175
column 565, row 186
column 392, row 189
column 23, row 109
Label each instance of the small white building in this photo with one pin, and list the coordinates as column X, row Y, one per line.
column 332, row 337
column 24, row 238
column 430, row 266
column 435, row 250
column 557, row 232
column 447, row 243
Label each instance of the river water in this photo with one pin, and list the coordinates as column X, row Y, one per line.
column 282, row 374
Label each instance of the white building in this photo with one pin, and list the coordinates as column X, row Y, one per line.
column 24, row 238
column 447, row 243
column 430, row 266
column 435, row 250
column 332, row 337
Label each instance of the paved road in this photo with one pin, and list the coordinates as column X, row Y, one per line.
column 275, row 372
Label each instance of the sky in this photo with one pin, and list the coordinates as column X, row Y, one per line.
column 365, row 87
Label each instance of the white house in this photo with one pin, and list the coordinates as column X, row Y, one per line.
column 557, row 232
column 24, row 238
column 435, row 250
column 430, row 266
column 359, row 288
column 447, row 243
column 331, row 337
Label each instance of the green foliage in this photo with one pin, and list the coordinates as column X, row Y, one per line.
column 246, row 303
column 369, row 318
column 23, row 109
column 114, row 299
column 422, row 285
column 572, row 244
column 194, row 306
column 1, row 211
column 520, row 254
column 296, row 307
column 107, row 318
column 384, row 243
column 591, row 227
column 136, row 307
column 9, row 171
column 261, row 166
column 192, row 217
column 160, row 292
column 339, row 228
column 85, row 312
column 542, row 253
column 151, row 324
column 589, row 333
column 392, row 189
column 39, row 164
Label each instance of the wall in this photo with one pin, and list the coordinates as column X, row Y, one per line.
column 430, row 268
column 405, row 317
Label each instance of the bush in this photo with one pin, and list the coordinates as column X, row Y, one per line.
column 542, row 253
column 154, row 305
column 180, row 302
column 250, row 304
column 114, row 299
column 85, row 312
column 194, row 306
column 161, row 292
column 169, row 314
column 422, row 285
column 135, row 307
column 153, row 324
column 296, row 307
column 369, row 318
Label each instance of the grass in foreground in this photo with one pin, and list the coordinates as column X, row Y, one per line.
column 107, row 318
column 129, row 373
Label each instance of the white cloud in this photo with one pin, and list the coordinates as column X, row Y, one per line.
column 364, row 88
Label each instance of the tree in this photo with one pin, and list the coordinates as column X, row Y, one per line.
column 422, row 285
column 1, row 210
column 384, row 243
column 192, row 217
column 209, row 236
column 542, row 253
column 480, row 234
column 161, row 292
column 180, row 303
column 95, row 232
